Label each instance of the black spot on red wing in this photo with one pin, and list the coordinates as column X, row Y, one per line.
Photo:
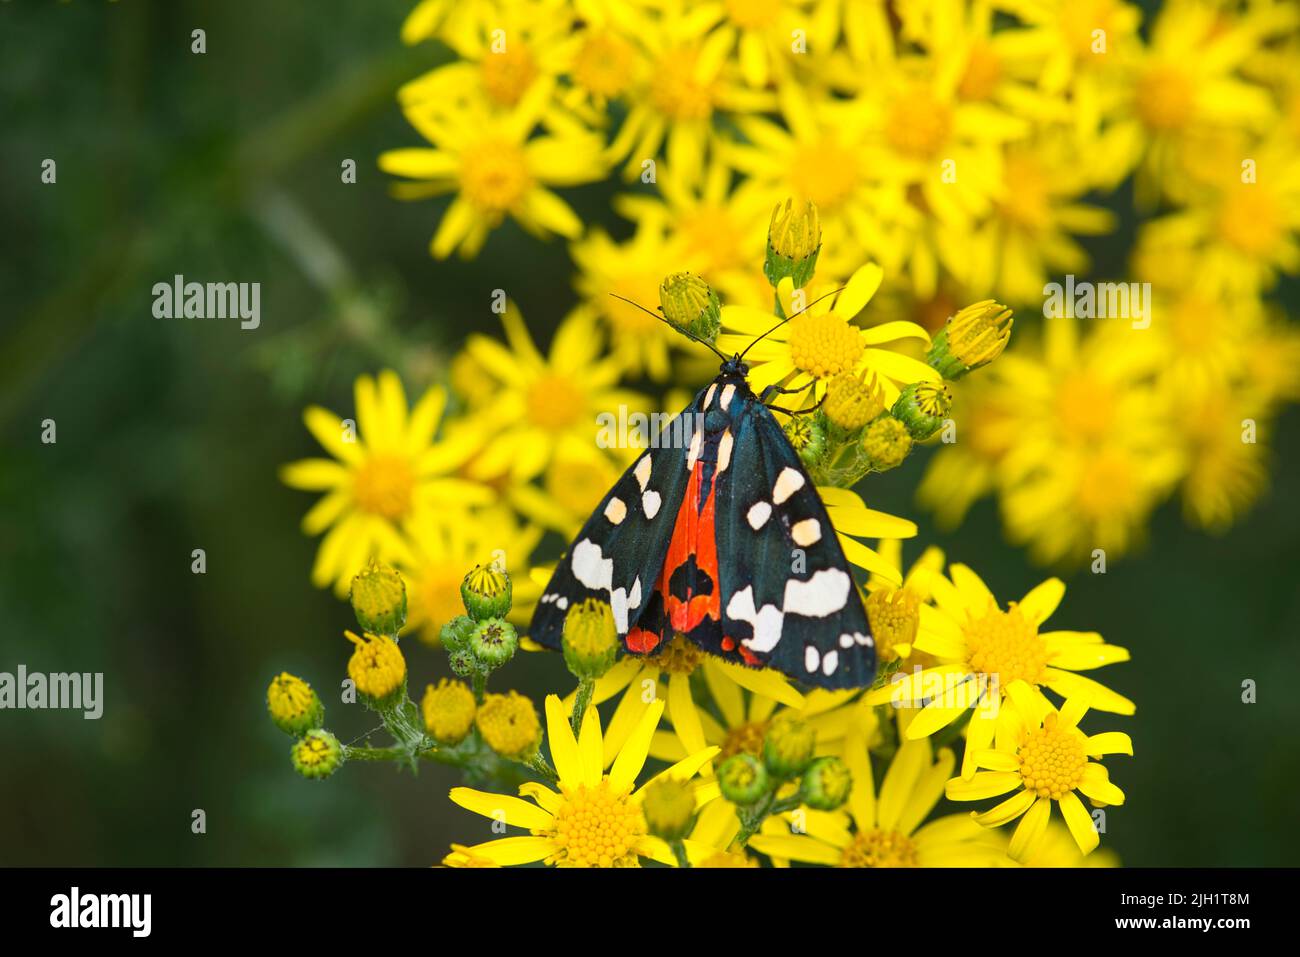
column 688, row 579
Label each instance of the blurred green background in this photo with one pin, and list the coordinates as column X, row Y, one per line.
column 226, row 166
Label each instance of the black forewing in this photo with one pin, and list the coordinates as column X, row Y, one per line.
column 767, row 560
column 634, row 547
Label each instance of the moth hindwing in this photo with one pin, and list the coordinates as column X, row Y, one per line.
column 720, row 536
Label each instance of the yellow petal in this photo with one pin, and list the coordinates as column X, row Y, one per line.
column 502, row 807
column 1007, row 811
column 1080, row 823
column 510, row 851
column 632, row 758
column 1042, row 600
column 1030, row 830
column 564, row 747
column 590, row 748
column 984, row 784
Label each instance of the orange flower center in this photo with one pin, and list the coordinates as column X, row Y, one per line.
column 878, row 848
column 383, row 485
column 1052, row 759
column 1006, row 644
column 554, row 403
column 918, row 124
column 824, row 345
column 494, row 176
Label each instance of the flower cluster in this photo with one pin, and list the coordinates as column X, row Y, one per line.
column 699, row 761
column 962, row 146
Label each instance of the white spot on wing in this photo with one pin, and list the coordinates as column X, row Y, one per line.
column 634, row 596
column 651, row 501
column 823, row 594
column 807, row 532
column 591, row 567
column 693, row 452
column 811, row 658
column 830, row 661
column 616, row 511
column 708, row 396
column 561, row 603
column 724, row 449
column 846, row 640
column 787, row 483
column 727, row 393
column 758, row 515
column 766, row 622
column 618, row 605
column 642, row 471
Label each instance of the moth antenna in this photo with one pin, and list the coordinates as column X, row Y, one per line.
column 664, row 319
column 833, row 292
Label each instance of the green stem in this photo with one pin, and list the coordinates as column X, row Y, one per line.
column 751, row 819
column 679, row 852
column 581, row 701
column 480, row 686
column 541, row 766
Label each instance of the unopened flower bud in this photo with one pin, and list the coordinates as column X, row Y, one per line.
column 807, row 436
column 317, row 754
column 788, row 747
column 794, row 238
column 376, row 667
column 448, row 711
column 691, row 305
column 493, row 643
column 294, row 706
column 486, row 592
column 852, row 402
column 509, row 725
column 826, row 784
column 972, row 338
column 922, row 408
column 590, row 639
column 742, row 779
column 669, row 808
column 379, row 599
column 894, row 616
column 886, row 443
column 456, row 633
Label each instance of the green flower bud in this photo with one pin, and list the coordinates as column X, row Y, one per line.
column 669, row 808
column 317, row 754
column 743, row 779
column 794, row 239
column 691, row 305
column 462, row 662
column 886, row 443
column 972, row 338
column 826, row 784
column 456, row 633
column 590, row 639
column 378, row 598
column 486, row 592
column 294, row 706
column 493, row 643
column 807, row 437
column 922, row 407
column 788, row 747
